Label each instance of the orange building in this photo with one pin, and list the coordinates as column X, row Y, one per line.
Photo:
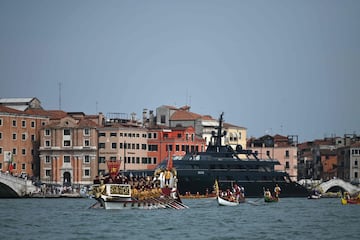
column 19, row 140
column 174, row 142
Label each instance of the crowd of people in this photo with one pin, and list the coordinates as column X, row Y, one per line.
column 142, row 187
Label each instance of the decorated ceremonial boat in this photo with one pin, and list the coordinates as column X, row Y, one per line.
column 115, row 192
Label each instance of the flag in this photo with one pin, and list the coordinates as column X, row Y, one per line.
column 216, row 187
column 169, row 163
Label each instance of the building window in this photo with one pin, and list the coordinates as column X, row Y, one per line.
column 287, row 165
column 112, row 159
column 86, row 132
column 287, row 154
column 23, row 136
column 102, row 134
column 86, row 172
column 23, row 151
column 1, row 122
column 113, row 134
column 14, row 136
column 66, row 132
column 23, row 123
column 23, row 166
column 179, row 135
column 162, row 119
column 0, row 135
column 101, row 159
column 32, row 137
column 101, row 145
column 47, row 173
column 177, row 147
column 86, row 159
column 47, row 132
column 113, row 145
column 33, row 124
column 66, row 159
column 143, row 146
column 14, row 123
column 47, row 159
column 268, row 153
column 47, row 143
column 67, row 143
column 153, row 148
column 155, row 135
column 87, row 143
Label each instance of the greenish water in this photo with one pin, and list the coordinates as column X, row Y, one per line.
column 291, row 218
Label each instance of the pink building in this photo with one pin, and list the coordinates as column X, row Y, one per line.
column 281, row 148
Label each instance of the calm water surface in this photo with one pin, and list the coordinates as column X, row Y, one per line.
column 291, row 218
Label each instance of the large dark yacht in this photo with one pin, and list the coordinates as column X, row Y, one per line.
column 197, row 172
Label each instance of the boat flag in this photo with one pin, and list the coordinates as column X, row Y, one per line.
column 169, row 163
column 216, row 187
column 113, row 167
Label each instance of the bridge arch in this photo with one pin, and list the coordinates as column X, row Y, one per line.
column 348, row 187
column 6, row 191
column 11, row 186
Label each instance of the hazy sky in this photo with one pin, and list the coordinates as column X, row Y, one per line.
column 287, row 67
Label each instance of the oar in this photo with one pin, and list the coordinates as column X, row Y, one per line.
column 177, row 202
column 165, row 204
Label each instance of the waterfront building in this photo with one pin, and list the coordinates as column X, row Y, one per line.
column 68, row 148
column 235, row 135
column 204, row 125
column 175, row 142
column 278, row 147
column 20, row 121
column 124, row 139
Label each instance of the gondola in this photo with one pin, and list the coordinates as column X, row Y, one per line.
column 223, row 202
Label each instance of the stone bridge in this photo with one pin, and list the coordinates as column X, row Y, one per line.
column 11, row 186
column 346, row 186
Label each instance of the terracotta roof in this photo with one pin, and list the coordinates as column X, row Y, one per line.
column 170, row 107
column 207, row 117
column 356, row 144
column 9, row 110
column 87, row 123
column 231, row 125
column 184, row 115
